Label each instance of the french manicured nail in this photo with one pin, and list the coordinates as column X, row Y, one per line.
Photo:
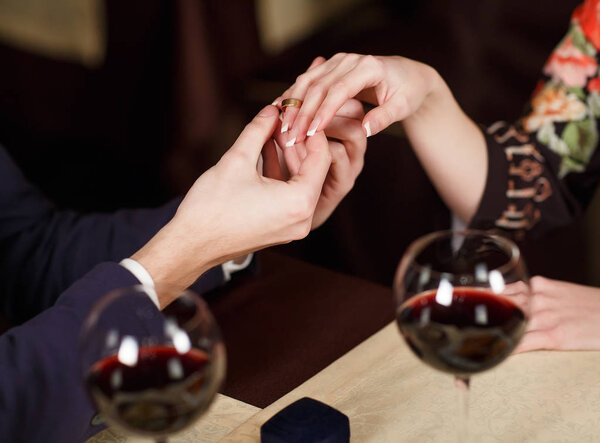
column 313, row 127
column 286, row 121
column 290, row 142
column 275, row 102
column 368, row 128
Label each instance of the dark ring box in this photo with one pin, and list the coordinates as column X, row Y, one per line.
column 306, row 421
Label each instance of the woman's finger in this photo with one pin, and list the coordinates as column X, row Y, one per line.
column 315, row 94
column 364, row 75
column 542, row 320
column 271, row 166
column 349, row 131
column 534, row 341
column 316, row 62
column 293, row 154
column 351, row 109
column 341, row 176
column 301, row 150
column 292, row 160
column 287, row 93
column 388, row 112
column 299, row 88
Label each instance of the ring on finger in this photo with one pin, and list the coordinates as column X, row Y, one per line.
column 293, row 102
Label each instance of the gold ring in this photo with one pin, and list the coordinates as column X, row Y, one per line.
column 294, row 102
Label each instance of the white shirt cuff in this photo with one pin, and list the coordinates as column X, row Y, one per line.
column 143, row 276
column 457, row 223
column 230, row 267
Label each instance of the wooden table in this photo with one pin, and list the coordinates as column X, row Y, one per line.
column 224, row 415
column 389, row 395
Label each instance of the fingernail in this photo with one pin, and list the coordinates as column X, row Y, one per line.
column 368, row 128
column 290, row 143
column 275, row 102
column 284, row 127
column 313, row 127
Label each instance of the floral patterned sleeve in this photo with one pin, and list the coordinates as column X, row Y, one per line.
column 543, row 170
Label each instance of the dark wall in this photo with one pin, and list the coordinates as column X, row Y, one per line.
column 181, row 78
column 148, row 121
column 94, row 139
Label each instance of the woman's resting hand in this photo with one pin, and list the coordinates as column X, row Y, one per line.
column 564, row 316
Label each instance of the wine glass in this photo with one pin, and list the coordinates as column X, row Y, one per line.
column 463, row 301
column 151, row 373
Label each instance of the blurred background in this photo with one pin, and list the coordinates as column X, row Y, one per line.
column 107, row 104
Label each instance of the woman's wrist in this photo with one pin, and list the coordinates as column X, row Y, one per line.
column 435, row 82
column 437, row 96
column 448, row 143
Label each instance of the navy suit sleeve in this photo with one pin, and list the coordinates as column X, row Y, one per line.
column 42, row 395
column 43, row 250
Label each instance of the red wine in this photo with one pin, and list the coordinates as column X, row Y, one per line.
column 474, row 332
column 162, row 393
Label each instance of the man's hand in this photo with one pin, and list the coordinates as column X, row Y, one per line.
column 232, row 209
column 347, row 144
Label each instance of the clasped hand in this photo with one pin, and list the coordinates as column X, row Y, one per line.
column 396, row 85
column 234, row 208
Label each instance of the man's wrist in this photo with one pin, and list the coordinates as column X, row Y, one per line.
column 173, row 258
column 138, row 271
column 143, row 277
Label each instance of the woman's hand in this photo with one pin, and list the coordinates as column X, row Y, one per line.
column 448, row 144
column 396, row 85
column 564, row 316
column 347, row 145
column 232, row 209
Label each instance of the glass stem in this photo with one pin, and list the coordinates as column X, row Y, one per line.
column 462, row 387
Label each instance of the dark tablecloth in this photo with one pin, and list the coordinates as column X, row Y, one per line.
column 291, row 320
